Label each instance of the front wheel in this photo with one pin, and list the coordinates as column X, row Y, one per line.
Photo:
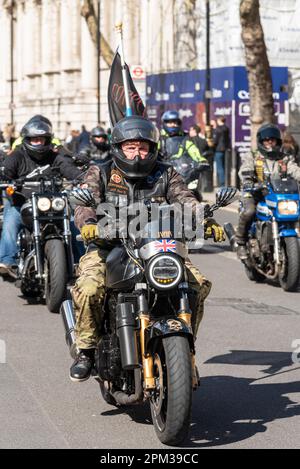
column 290, row 271
column 172, row 402
column 56, row 274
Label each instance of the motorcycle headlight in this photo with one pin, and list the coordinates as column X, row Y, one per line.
column 44, row 204
column 165, row 272
column 288, row 207
column 58, row 204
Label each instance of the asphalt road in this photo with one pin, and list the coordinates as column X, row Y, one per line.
column 250, row 387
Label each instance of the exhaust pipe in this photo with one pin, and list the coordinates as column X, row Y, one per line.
column 126, row 332
column 230, row 232
column 67, row 314
column 123, row 398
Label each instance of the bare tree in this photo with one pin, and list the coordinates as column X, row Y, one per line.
column 187, row 30
column 258, row 67
column 89, row 13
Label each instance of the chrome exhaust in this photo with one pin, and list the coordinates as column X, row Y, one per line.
column 230, row 232
column 67, row 314
column 276, row 241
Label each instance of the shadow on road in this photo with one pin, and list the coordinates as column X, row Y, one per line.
column 32, row 301
column 274, row 361
column 228, row 409
column 138, row 413
column 211, row 249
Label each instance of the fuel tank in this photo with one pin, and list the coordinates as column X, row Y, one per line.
column 121, row 273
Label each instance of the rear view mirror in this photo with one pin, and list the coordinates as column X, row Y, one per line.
column 82, row 197
column 226, row 195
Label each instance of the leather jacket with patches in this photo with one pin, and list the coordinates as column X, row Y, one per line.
column 255, row 167
column 107, row 184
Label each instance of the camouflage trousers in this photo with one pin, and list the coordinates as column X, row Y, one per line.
column 89, row 292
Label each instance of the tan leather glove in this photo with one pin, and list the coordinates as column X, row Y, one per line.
column 214, row 230
column 89, row 233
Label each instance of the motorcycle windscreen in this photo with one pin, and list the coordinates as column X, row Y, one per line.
column 185, row 166
column 285, row 186
column 120, row 270
column 166, row 222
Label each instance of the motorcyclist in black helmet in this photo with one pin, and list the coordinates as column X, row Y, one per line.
column 131, row 163
column 135, row 174
column 37, row 136
column 56, row 143
column 99, row 149
column 171, row 135
column 35, row 156
column 267, row 159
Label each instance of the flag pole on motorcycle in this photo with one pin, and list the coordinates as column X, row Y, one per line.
column 123, row 98
column 119, row 29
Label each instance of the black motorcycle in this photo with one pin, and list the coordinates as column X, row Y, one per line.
column 45, row 263
column 190, row 171
column 147, row 350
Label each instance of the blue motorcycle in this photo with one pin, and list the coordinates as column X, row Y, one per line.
column 273, row 245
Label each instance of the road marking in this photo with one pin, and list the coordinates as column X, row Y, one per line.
column 219, row 250
column 249, row 306
column 2, row 352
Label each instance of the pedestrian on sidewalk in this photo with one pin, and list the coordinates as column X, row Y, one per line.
column 221, row 140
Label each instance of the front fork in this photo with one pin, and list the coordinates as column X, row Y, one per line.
column 275, row 233
column 144, row 317
column 37, row 237
column 148, row 365
column 67, row 235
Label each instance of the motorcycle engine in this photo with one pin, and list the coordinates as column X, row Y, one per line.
column 267, row 237
column 24, row 240
column 108, row 358
column 255, row 249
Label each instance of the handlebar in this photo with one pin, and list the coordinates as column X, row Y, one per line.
column 22, row 183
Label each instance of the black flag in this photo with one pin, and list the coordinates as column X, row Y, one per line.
column 116, row 94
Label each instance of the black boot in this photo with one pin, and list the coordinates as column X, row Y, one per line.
column 82, row 366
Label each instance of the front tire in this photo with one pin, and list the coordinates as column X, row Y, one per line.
column 289, row 277
column 56, row 274
column 171, row 406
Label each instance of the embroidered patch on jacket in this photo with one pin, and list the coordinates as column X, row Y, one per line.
column 117, row 183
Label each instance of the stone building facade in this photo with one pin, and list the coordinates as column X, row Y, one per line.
column 55, row 60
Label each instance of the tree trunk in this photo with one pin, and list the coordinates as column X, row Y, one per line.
column 89, row 13
column 258, row 67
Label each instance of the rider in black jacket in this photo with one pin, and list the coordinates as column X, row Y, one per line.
column 33, row 158
column 98, row 151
